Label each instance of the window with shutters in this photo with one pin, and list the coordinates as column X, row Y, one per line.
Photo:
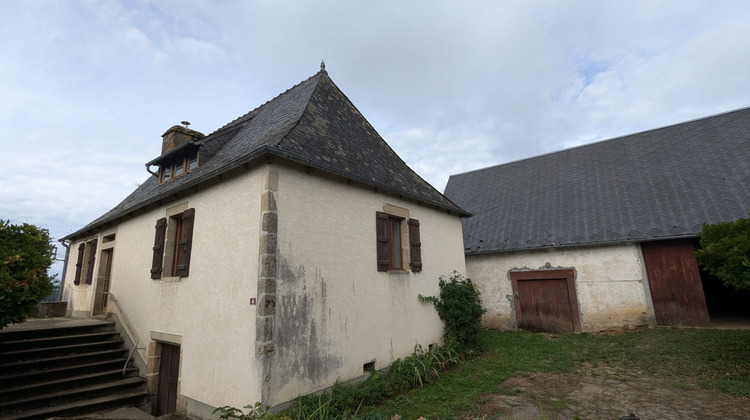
column 397, row 242
column 172, row 245
column 85, row 262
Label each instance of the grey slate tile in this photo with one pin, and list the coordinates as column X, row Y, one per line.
column 312, row 123
column 656, row 184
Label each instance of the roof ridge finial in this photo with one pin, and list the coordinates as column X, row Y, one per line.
column 322, row 66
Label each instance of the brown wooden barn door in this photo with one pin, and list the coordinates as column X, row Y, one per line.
column 545, row 300
column 675, row 283
column 169, row 370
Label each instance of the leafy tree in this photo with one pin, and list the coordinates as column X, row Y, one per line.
column 460, row 307
column 725, row 252
column 25, row 257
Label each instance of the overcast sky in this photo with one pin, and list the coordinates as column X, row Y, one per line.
column 87, row 88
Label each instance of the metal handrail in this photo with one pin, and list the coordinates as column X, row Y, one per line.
column 131, row 331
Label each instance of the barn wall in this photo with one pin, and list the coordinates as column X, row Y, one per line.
column 609, row 283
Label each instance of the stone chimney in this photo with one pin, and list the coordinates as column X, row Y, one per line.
column 178, row 135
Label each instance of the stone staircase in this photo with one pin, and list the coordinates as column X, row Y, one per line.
column 66, row 369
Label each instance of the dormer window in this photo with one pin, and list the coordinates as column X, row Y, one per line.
column 178, row 167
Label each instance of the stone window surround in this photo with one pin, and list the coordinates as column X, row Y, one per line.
column 169, row 243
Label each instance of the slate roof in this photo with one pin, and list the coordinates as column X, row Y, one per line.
column 312, row 123
column 663, row 183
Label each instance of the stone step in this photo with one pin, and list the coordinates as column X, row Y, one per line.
column 132, row 398
column 64, row 367
column 71, row 369
column 49, row 362
column 68, row 349
column 56, row 331
column 20, row 391
column 13, row 345
column 72, row 394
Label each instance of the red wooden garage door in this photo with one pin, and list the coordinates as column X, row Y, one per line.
column 545, row 300
column 675, row 283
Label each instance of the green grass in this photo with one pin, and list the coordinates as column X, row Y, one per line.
column 687, row 358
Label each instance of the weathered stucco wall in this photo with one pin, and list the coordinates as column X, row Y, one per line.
column 609, row 283
column 207, row 313
column 334, row 311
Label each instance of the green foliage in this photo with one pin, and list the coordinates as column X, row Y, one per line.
column 310, row 408
column 257, row 411
column 460, row 307
column 725, row 252
column 420, row 368
column 25, row 257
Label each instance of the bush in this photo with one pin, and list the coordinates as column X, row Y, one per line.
column 460, row 307
column 25, row 257
column 725, row 252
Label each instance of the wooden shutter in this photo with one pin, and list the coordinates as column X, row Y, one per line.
column 90, row 262
column 415, row 246
column 384, row 239
column 156, row 262
column 79, row 263
column 186, row 243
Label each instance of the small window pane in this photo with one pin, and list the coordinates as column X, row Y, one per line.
column 167, row 173
column 179, row 168
column 192, row 163
column 395, row 243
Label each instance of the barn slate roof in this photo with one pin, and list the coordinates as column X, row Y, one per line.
column 312, row 123
column 658, row 184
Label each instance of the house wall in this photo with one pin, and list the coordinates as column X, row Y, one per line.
column 334, row 311
column 208, row 312
column 609, row 280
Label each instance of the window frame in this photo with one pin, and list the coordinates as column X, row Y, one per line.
column 181, row 166
column 392, row 252
column 166, row 173
column 173, row 245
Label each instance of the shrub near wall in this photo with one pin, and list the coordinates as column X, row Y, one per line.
column 460, row 307
column 725, row 252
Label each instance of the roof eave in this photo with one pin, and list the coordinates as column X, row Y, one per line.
column 177, row 150
column 261, row 151
column 346, row 175
column 582, row 244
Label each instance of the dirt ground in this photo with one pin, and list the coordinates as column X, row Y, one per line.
column 545, row 396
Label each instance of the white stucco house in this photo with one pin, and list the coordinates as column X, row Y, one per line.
column 272, row 257
column 602, row 236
